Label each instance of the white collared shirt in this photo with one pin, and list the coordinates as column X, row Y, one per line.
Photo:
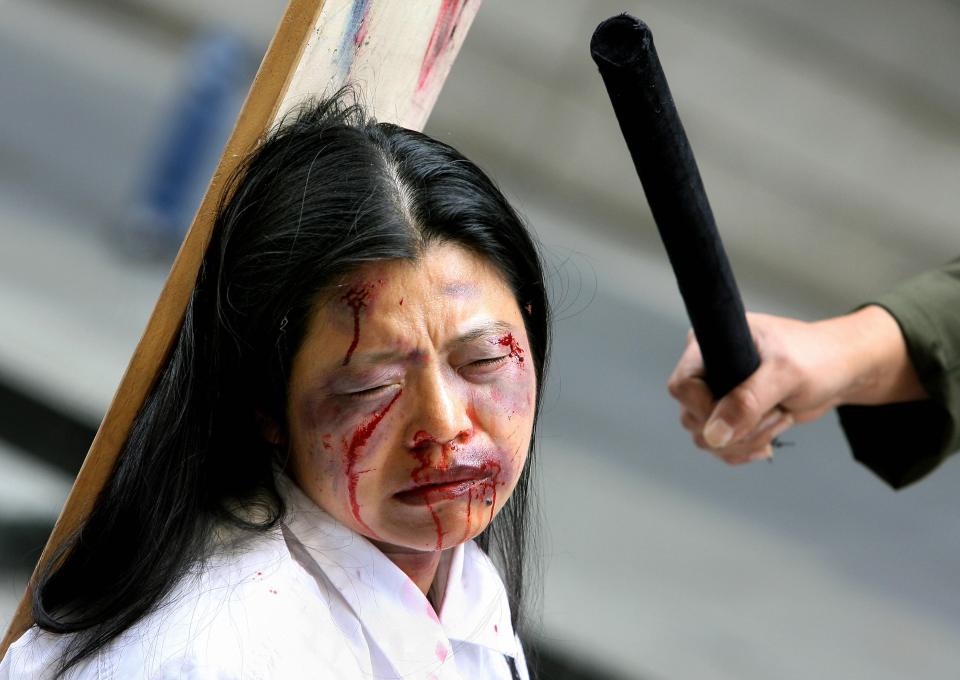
column 311, row 599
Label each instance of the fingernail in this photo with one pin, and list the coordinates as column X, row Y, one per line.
column 718, row 433
column 766, row 454
column 785, row 425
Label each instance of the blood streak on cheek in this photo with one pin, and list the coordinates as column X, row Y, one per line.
column 359, row 440
column 516, row 351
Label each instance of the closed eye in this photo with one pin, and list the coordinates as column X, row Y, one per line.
column 482, row 367
column 489, row 362
column 368, row 393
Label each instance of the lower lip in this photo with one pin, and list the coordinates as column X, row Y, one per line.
column 423, row 495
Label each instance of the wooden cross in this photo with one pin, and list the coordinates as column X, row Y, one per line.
column 398, row 53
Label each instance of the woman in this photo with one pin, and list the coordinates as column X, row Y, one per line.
column 340, row 434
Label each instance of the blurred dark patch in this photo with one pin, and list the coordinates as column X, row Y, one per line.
column 21, row 542
column 547, row 662
column 43, row 431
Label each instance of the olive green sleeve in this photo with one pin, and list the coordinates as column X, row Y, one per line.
column 903, row 442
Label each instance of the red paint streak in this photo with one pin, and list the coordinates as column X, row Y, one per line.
column 516, row 351
column 360, row 438
column 496, row 628
column 443, row 32
column 356, row 299
column 361, row 35
column 441, row 652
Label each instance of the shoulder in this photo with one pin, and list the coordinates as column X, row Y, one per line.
column 249, row 611
column 244, row 613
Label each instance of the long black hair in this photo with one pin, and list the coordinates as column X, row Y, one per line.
column 326, row 192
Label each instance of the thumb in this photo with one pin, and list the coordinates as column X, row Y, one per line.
column 739, row 412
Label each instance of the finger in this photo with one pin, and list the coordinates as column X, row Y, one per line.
column 758, row 445
column 740, row 412
column 690, row 364
column 694, row 396
column 691, row 421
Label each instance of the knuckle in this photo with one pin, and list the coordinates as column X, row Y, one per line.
column 690, row 421
column 744, row 401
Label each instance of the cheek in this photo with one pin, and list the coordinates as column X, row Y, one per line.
column 333, row 438
column 504, row 410
column 509, row 402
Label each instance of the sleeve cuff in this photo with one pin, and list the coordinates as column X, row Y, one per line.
column 903, row 442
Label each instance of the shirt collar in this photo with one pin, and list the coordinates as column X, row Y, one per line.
column 475, row 606
column 389, row 605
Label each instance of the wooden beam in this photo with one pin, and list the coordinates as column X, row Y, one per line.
column 398, row 53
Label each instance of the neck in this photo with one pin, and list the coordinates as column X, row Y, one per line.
column 422, row 568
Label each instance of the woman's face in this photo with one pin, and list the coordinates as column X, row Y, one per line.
column 412, row 399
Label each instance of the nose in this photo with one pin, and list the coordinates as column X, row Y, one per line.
column 442, row 414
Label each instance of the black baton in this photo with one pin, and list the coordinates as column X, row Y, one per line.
column 622, row 47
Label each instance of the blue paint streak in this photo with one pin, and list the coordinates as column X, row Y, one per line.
column 348, row 47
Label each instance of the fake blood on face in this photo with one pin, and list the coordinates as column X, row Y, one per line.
column 516, row 351
column 356, row 299
column 481, row 481
column 359, row 440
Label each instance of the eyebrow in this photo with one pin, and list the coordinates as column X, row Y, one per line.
column 494, row 329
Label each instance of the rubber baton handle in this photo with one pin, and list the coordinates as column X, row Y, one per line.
column 622, row 47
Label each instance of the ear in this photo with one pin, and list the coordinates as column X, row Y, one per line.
column 270, row 429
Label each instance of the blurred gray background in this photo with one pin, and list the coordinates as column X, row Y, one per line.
column 828, row 136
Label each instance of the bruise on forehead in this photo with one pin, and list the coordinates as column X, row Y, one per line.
column 460, row 289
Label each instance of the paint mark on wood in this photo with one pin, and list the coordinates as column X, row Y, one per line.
column 444, row 29
column 354, row 36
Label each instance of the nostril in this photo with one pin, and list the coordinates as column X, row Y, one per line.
column 422, row 439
